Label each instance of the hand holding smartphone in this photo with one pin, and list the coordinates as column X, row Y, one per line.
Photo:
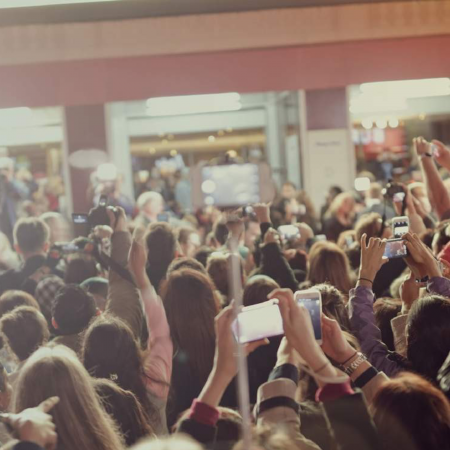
column 395, row 248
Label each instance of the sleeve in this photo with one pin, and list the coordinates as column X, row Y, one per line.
column 439, row 286
column 123, row 297
column 369, row 335
column 275, row 265
column 158, row 360
column 276, row 405
column 351, row 423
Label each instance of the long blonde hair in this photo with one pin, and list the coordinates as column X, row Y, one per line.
column 81, row 422
column 338, row 202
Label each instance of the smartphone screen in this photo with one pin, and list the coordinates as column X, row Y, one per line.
column 313, row 304
column 400, row 226
column 79, row 218
column 258, row 322
column 103, row 200
column 289, row 232
column 395, row 248
column 164, row 217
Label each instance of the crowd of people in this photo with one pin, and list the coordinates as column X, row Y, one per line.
column 123, row 338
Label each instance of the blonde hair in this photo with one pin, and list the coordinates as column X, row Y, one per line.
column 338, row 201
column 80, row 420
column 329, row 264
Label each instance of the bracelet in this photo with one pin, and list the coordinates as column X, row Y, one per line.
column 321, row 368
column 355, row 364
column 347, row 360
column 427, row 155
column 365, row 279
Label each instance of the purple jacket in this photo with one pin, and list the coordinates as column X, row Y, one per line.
column 363, row 323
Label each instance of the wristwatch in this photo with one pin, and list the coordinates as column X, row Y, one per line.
column 355, row 364
column 422, row 281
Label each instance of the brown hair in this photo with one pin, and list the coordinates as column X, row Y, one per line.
column 79, row 416
column 25, row 330
column 13, row 299
column 369, row 224
column 217, row 268
column 410, row 412
column 191, row 307
column 125, row 409
column 329, row 264
column 31, row 234
column 257, row 289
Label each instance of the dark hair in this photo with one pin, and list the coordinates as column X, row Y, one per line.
column 333, row 305
column 428, row 335
column 80, row 269
column 220, row 231
column 162, row 244
column 183, row 235
column 185, row 263
column 13, row 299
column 111, row 351
column 427, row 237
column 385, row 310
column 25, row 330
column 31, row 234
column 73, row 309
column 217, row 268
column 441, row 238
column 3, row 379
column 191, row 307
column 410, row 413
column 125, row 409
column 257, row 289
column 203, row 253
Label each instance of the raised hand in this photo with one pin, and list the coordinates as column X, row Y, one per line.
column 272, row 236
column 421, row 260
column 334, row 343
column 137, row 259
column 35, row 424
column 262, row 212
column 371, row 259
column 117, row 218
column 421, row 146
column 442, row 153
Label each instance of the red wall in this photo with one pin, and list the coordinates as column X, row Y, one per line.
column 312, row 67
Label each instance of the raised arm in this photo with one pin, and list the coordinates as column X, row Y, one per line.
column 416, row 224
column 158, row 359
column 436, row 190
column 123, row 297
column 361, row 312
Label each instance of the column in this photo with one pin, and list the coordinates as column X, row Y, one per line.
column 328, row 156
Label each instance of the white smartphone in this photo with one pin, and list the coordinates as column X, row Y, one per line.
column 289, row 232
column 400, row 226
column 311, row 299
column 258, row 322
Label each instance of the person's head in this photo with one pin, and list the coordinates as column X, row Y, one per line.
column 162, row 248
column 25, row 330
column 428, row 334
column 252, row 232
column 125, row 409
column 419, row 192
column 45, row 292
column 375, row 192
column 202, row 254
column 289, row 190
column 385, row 310
column 189, row 241
column 346, row 239
column 79, row 416
column 31, row 237
column 306, row 235
column 257, row 289
column 150, row 203
column 11, row 300
column 217, row 269
column 98, row 288
column 220, row 232
column 371, row 225
column 111, row 351
column 58, row 225
column 333, row 192
column 186, row 263
column 80, row 269
column 343, row 204
column 191, row 307
column 229, row 424
column 334, row 305
column 73, row 309
column 410, row 413
column 329, row 264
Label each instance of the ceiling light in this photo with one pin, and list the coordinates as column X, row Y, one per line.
column 381, row 123
column 393, row 123
column 16, row 117
column 368, row 103
column 28, row 3
column 193, row 104
column 431, row 87
column 367, row 124
column 211, row 138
